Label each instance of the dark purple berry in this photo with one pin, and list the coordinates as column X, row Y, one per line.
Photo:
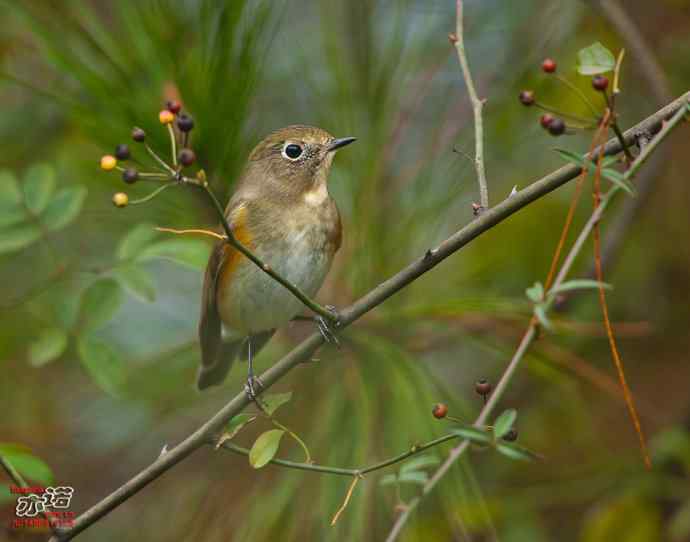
column 130, row 175
column 138, row 135
column 122, row 152
column 483, row 387
column 186, row 157
column 185, row 123
column 556, row 127
column 526, row 97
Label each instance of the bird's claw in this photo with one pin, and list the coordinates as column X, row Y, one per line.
column 250, row 388
column 325, row 327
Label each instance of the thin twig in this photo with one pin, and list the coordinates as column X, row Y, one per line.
column 477, row 105
column 416, row 449
column 342, row 508
column 375, row 297
column 200, row 232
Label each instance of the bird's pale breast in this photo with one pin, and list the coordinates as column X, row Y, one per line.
column 299, row 246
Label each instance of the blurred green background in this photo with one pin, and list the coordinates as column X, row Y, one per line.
column 98, row 346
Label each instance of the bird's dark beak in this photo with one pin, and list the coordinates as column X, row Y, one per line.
column 340, row 142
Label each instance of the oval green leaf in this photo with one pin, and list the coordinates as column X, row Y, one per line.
column 103, row 364
column 136, row 240
column 100, row 302
column 18, row 237
column 64, row 207
column 39, row 183
column 273, row 401
column 504, row 422
column 50, row 345
column 265, row 448
column 189, row 252
column 137, row 281
column 595, row 59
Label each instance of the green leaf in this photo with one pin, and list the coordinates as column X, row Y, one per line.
column 273, row 401
column 190, row 252
column 103, row 364
column 595, row 59
column 136, row 240
column 414, row 477
column 265, row 448
column 64, row 207
column 419, row 462
column 578, row 284
column 137, row 281
column 388, row 479
column 27, row 464
column 10, row 194
column 473, row 434
column 18, row 237
column 100, row 303
column 236, row 423
column 513, row 451
column 39, row 184
column 536, row 292
column 50, row 345
column 504, row 422
column 617, row 178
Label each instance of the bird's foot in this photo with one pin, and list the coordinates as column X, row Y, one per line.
column 253, row 387
column 326, row 328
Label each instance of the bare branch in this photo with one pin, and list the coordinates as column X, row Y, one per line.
column 477, row 104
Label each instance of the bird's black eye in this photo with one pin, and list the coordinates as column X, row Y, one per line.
column 292, row 151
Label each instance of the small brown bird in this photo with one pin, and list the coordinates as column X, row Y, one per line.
column 281, row 210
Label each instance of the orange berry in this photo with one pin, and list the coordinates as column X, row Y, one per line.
column 440, row 410
column 166, row 117
column 108, row 162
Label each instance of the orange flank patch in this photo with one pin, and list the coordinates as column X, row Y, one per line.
column 231, row 256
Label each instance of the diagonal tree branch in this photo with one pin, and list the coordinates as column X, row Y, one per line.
column 375, row 297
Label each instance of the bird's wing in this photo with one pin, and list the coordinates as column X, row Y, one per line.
column 209, row 323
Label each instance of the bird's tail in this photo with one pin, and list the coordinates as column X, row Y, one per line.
column 212, row 375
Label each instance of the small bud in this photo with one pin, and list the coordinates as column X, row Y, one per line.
column 546, row 120
column 108, row 162
column 173, row 106
column 440, row 411
column 483, row 387
column 166, row 117
column 556, row 127
column 185, row 123
column 186, row 157
column 476, row 208
column 130, row 175
column 526, row 97
column 120, row 199
column 600, row 82
column 122, row 152
column 549, row 65
column 453, row 38
column 138, row 135
column 510, row 436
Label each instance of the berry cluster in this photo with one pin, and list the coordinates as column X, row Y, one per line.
column 551, row 121
column 179, row 125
